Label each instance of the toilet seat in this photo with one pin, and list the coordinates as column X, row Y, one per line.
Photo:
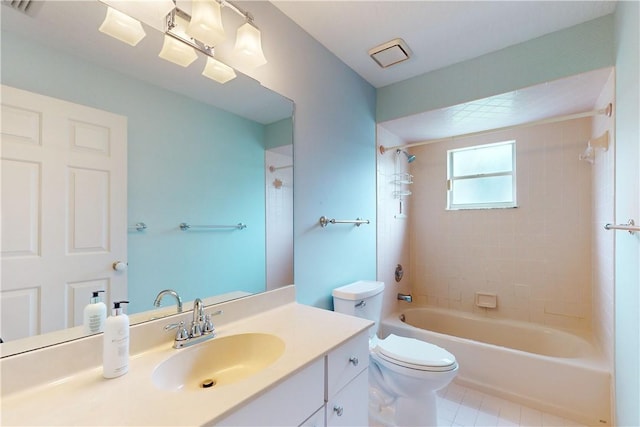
column 414, row 354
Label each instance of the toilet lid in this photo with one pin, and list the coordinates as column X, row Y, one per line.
column 416, row 354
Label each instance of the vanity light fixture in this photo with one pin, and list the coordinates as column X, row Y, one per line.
column 218, row 71
column 178, row 47
column 249, row 44
column 177, row 29
column 122, row 27
column 186, row 34
column 151, row 13
column 177, row 52
column 206, row 22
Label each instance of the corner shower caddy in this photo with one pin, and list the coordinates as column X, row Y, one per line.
column 399, row 182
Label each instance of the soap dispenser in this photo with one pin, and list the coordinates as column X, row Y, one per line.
column 115, row 350
column 95, row 314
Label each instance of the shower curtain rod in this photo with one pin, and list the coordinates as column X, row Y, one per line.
column 607, row 111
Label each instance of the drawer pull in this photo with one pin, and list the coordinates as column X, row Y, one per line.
column 354, row 360
column 338, row 410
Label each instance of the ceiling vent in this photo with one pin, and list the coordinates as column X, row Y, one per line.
column 390, row 53
column 28, row 7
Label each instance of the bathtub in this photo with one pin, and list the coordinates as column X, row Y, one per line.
column 544, row 368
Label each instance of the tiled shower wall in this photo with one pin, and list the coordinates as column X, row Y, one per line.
column 602, row 177
column 536, row 257
column 392, row 230
column 279, row 217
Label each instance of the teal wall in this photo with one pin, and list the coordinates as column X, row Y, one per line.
column 278, row 133
column 627, row 259
column 167, row 132
column 581, row 48
column 334, row 152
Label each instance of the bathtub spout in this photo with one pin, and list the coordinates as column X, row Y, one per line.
column 405, row 297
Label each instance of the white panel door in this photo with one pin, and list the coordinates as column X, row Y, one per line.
column 64, row 195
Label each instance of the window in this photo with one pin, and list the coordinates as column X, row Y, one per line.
column 482, row 176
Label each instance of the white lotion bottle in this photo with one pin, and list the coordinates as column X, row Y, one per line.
column 95, row 314
column 115, row 350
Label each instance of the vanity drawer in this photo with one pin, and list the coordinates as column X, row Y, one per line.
column 350, row 406
column 346, row 362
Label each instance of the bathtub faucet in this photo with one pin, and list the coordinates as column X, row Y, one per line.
column 405, row 297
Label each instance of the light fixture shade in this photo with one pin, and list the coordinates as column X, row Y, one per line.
column 216, row 70
column 122, row 27
column 150, row 12
column 177, row 52
column 249, row 45
column 206, row 22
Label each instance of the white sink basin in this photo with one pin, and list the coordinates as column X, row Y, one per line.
column 217, row 362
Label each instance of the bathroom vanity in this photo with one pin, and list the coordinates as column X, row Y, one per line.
column 319, row 375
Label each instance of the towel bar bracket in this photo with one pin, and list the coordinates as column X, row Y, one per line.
column 630, row 226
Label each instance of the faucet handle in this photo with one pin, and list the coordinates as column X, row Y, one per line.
column 208, row 325
column 181, row 334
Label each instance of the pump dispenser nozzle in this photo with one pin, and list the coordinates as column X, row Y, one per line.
column 116, row 307
column 95, row 314
column 95, row 297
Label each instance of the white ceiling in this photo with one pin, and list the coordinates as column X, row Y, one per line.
column 439, row 33
column 442, row 33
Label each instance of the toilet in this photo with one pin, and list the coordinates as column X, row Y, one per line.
column 404, row 373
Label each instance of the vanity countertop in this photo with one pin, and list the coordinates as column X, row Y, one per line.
column 86, row 398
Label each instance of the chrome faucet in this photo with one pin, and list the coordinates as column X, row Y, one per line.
column 405, row 297
column 202, row 328
column 198, row 318
column 171, row 292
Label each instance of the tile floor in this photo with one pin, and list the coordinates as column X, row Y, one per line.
column 462, row 406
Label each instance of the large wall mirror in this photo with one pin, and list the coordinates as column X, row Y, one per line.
column 198, row 152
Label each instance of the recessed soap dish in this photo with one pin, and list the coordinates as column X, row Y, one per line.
column 486, row 300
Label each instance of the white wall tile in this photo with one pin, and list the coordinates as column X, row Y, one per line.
column 544, row 245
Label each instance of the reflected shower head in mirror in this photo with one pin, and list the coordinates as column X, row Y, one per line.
column 410, row 157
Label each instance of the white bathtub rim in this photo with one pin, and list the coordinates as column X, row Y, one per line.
column 594, row 358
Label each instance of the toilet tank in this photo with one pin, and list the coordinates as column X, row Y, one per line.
column 361, row 299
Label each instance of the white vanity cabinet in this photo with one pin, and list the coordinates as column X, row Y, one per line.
column 316, row 420
column 332, row 391
column 348, row 383
column 350, row 406
column 287, row 404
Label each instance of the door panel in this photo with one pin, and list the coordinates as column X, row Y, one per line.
column 64, row 194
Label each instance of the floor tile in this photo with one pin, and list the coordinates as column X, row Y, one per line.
column 460, row 406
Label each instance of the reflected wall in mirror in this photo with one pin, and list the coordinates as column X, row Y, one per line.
column 198, row 152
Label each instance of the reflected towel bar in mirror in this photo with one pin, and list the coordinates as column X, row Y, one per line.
column 184, row 227
column 138, row 226
column 275, row 168
column 324, row 221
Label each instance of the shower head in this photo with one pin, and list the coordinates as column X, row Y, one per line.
column 410, row 157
